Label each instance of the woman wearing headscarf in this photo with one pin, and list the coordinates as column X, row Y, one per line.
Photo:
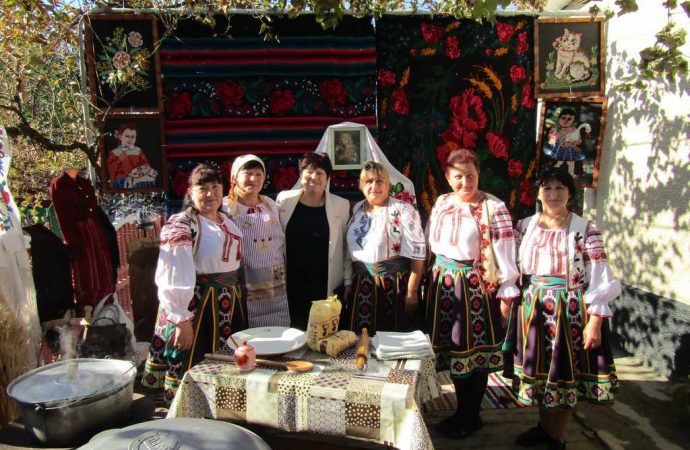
column 315, row 224
column 471, row 287
column 387, row 246
column 197, row 279
column 263, row 260
column 563, row 340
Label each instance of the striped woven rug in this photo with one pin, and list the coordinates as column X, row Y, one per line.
column 498, row 394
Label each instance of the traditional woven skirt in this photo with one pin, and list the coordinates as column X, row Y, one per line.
column 551, row 365
column 464, row 323
column 378, row 296
column 218, row 312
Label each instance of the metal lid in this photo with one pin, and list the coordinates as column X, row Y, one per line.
column 178, row 434
column 71, row 380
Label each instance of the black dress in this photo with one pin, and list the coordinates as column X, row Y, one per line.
column 306, row 239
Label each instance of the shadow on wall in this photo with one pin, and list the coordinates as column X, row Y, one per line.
column 654, row 328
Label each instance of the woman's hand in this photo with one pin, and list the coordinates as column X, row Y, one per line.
column 592, row 333
column 184, row 335
column 505, row 310
column 411, row 300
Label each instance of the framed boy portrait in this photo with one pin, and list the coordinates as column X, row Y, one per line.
column 132, row 152
column 569, row 57
column 346, row 147
column 122, row 62
column 570, row 134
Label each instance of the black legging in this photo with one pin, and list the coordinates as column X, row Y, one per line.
column 469, row 393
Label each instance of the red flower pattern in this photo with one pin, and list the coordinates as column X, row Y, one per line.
column 514, row 168
column 180, row 183
column 527, row 97
column 505, row 31
column 179, row 105
column 386, row 78
column 526, row 193
column 517, row 74
column 452, row 51
column 522, row 44
column 400, row 104
column 285, row 178
column 498, row 145
column 282, row 101
column 230, row 92
column 334, row 92
column 431, row 33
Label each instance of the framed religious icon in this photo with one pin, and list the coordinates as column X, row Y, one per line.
column 346, row 147
column 570, row 135
column 122, row 61
column 132, row 152
column 569, row 57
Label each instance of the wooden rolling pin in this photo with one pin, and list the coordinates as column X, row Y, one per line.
column 362, row 349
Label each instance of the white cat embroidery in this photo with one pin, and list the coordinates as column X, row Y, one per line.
column 571, row 61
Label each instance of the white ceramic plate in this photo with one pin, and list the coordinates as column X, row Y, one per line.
column 271, row 340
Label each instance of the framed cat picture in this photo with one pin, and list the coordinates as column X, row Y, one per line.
column 570, row 136
column 569, row 57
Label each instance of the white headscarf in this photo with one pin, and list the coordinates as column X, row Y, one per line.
column 399, row 182
column 237, row 165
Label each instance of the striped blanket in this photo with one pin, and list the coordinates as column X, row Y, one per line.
column 498, row 394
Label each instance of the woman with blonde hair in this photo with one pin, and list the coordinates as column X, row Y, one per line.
column 387, row 246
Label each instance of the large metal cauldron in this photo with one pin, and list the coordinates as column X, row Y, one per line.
column 63, row 401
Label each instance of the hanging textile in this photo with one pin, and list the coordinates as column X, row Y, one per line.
column 274, row 98
column 445, row 84
column 17, row 290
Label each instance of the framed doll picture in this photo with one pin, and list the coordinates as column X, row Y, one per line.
column 122, row 61
column 569, row 57
column 132, row 153
column 570, row 135
column 346, row 147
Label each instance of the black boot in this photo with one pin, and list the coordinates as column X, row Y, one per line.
column 449, row 425
column 556, row 444
column 534, row 436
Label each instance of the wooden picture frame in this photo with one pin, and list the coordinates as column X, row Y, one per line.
column 571, row 132
column 123, row 63
column 132, row 152
column 346, row 147
column 569, row 57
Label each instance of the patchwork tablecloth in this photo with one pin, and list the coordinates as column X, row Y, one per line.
column 380, row 404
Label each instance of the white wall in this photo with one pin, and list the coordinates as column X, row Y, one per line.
column 643, row 198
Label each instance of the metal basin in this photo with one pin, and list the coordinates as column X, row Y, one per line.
column 63, row 401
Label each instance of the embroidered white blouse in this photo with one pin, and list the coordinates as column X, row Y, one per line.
column 454, row 233
column 547, row 253
column 177, row 267
column 386, row 232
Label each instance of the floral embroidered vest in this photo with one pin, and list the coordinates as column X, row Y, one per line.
column 486, row 261
column 575, row 262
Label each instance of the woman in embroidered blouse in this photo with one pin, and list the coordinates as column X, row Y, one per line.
column 471, row 286
column 196, row 275
column 387, row 245
column 315, row 224
column 263, row 262
column 562, row 345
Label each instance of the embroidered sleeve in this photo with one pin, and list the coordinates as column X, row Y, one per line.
column 413, row 242
column 176, row 232
column 176, row 272
column 603, row 285
column 503, row 242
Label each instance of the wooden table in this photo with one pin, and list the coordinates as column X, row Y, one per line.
column 379, row 404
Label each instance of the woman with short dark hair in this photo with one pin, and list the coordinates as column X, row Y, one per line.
column 200, row 302
column 563, row 341
column 315, row 224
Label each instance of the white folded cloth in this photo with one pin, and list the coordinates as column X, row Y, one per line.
column 395, row 345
